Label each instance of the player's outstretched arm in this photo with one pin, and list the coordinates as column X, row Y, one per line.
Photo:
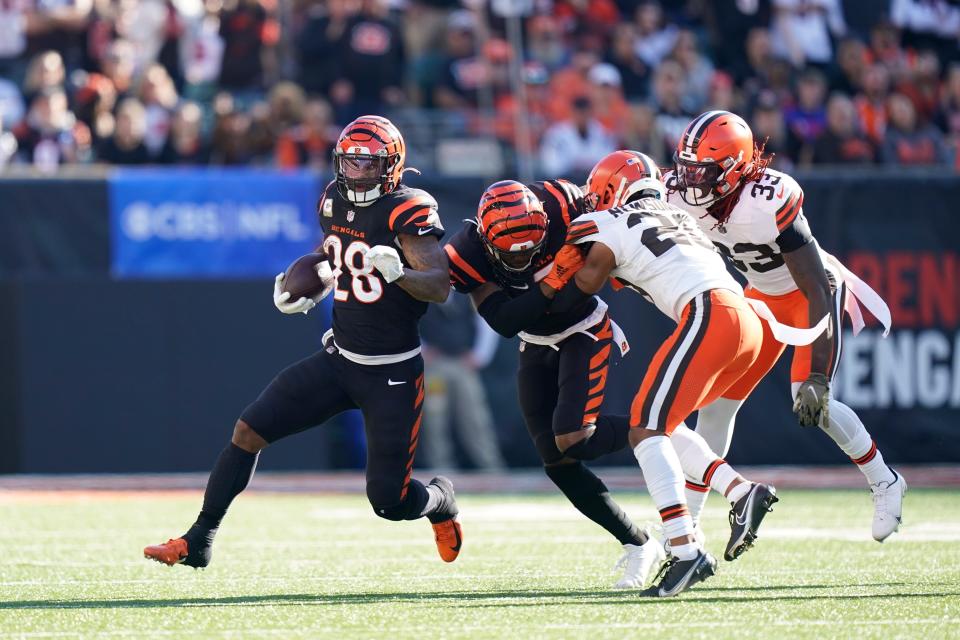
column 428, row 278
column 589, row 279
column 807, row 270
column 509, row 316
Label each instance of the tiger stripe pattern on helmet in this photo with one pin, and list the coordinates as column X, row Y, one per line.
column 510, row 215
column 371, row 137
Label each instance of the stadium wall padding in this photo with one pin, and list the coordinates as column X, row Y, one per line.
column 105, row 375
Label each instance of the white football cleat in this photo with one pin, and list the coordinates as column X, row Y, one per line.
column 640, row 563
column 887, row 506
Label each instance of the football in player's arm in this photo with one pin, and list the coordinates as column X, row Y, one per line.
column 370, row 358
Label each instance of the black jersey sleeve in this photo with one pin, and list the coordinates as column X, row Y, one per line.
column 509, row 316
column 325, row 204
column 560, row 198
column 795, row 235
column 415, row 214
column 468, row 266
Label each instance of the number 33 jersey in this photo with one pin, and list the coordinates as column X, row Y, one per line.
column 766, row 222
column 659, row 252
column 370, row 316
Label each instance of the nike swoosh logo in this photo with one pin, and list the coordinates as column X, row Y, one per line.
column 521, row 287
column 423, row 232
column 459, row 540
column 780, row 195
column 394, row 383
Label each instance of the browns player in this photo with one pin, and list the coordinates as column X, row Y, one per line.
column 381, row 239
column 500, row 258
column 656, row 249
column 754, row 215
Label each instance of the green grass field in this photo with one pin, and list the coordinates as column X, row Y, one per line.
column 305, row 566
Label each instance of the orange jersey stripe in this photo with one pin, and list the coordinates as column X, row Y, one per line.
column 462, row 264
column 561, row 198
column 406, row 206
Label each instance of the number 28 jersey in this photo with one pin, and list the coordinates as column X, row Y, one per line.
column 370, row 316
column 659, row 252
column 766, row 222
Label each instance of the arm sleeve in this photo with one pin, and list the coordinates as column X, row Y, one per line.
column 796, row 235
column 509, row 316
column 568, row 297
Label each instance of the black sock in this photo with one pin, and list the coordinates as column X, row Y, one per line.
column 590, row 496
column 230, row 476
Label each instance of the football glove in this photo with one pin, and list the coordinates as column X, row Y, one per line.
column 566, row 263
column 386, row 260
column 812, row 404
column 281, row 299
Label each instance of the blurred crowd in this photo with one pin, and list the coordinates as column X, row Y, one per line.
column 269, row 82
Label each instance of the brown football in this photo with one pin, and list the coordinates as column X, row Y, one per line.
column 301, row 278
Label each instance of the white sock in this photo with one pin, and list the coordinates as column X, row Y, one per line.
column 696, row 495
column 715, row 424
column 851, row 436
column 703, row 469
column 684, row 551
column 721, row 475
column 848, row 432
column 695, row 456
column 664, row 477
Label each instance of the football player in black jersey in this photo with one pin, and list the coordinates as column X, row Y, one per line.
column 505, row 260
column 382, row 243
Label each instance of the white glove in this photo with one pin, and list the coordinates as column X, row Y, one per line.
column 281, row 299
column 384, row 259
column 327, row 278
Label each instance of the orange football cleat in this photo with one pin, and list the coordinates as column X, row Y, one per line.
column 170, row 552
column 449, row 537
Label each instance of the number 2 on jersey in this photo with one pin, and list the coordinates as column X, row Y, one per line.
column 364, row 284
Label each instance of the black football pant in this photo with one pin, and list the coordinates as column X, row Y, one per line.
column 561, row 389
column 390, row 396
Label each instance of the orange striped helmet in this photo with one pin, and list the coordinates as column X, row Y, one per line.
column 713, row 154
column 512, row 225
column 368, row 159
column 620, row 175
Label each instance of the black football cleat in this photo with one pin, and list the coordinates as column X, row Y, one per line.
column 680, row 575
column 745, row 518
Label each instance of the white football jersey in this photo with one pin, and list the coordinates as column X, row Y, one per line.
column 659, row 250
column 767, row 220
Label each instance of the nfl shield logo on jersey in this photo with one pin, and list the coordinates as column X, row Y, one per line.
column 350, row 215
